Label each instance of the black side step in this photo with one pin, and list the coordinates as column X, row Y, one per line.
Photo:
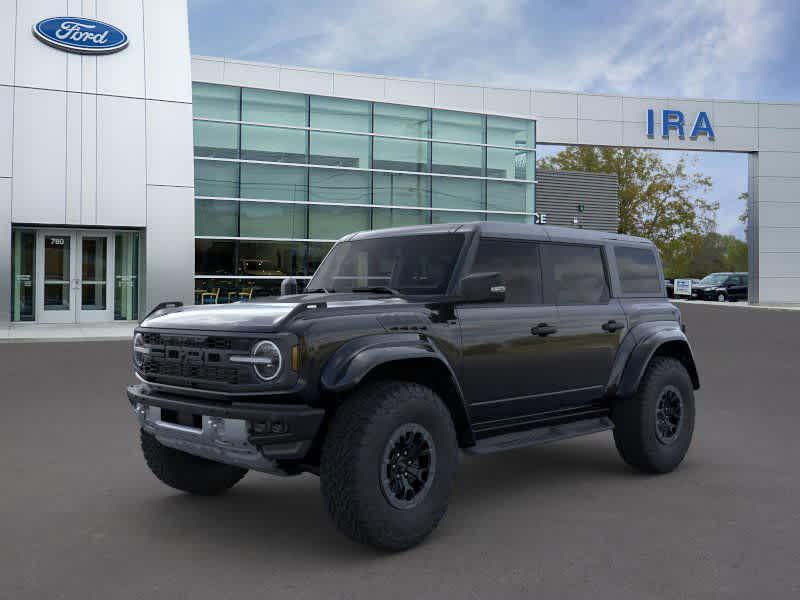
column 541, row 435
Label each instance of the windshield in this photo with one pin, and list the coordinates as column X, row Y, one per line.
column 714, row 279
column 409, row 264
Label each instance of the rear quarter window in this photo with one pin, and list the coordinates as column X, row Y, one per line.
column 638, row 271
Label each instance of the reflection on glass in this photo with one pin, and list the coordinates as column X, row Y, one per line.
column 280, row 108
column 23, row 253
column 220, row 140
column 400, row 155
column 215, row 101
column 402, row 190
column 93, row 273
column 507, row 131
column 56, row 272
column 451, row 192
column 126, row 276
column 406, row 121
column 457, row 126
column 268, row 220
column 216, row 178
column 509, row 196
column 339, row 150
column 274, row 182
column 214, row 257
column 335, row 185
column 509, row 164
column 273, row 144
column 337, row 113
column 383, row 218
column 457, row 159
column 442, row 216
column 216, row 217
column 332, row 222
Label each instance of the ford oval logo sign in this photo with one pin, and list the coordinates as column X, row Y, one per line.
column 76, row 34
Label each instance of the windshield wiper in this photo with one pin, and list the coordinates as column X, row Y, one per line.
column 376, row 288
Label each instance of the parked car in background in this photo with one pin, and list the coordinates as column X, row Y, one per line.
column 669, row 285
column 722, row 287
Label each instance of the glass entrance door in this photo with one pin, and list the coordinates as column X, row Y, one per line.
column 74, row 272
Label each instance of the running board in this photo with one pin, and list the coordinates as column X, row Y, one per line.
column 541, row 435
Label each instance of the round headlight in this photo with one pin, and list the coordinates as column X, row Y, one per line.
column 138, row 350
column 268, row 360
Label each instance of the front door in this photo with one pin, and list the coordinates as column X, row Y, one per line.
column 73, row 272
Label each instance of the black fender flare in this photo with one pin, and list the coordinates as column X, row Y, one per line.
column 357, row 358
column 639, row 347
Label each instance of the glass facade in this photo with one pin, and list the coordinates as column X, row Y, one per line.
column 279, row 176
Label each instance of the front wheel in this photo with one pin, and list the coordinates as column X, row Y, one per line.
column 653, row 429
column 721, row 297
column 388, row 464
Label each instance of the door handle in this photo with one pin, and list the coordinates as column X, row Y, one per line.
column 543, row 329
column 612, row 326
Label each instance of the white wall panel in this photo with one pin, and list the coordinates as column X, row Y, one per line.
column 781, row 140
column 122, row 73
column 464, row 97
column 39, row 156
column 36, row 64
column 777, row 239
column 735, row 114
column 306, row 81
column 599, row 108
column 779, row 164
column 89, row 159
column 169, row 245
column 507, row 102
column 601, row 133
column 358, row 86
column 557, row 131
column 6, row 128
column 204, row 69
column 74, row 159
column 555, row 104
column 635, row 135
column 166, row 37
column 8, row 23
column 779, row 189
column 121, row 169
column 634, row 109
column 779, row 115
column 169, row 143
column 779, row 290
column 5, row 249
column 408, row 91
column 738, row 139
column 250, row 75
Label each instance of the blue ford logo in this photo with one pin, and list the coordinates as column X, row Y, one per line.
column 76, row 34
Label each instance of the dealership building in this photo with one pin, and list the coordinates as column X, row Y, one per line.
column 133, row 173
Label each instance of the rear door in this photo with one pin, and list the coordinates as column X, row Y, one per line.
column 509, row 370
column 591, row 323
column 738, row 289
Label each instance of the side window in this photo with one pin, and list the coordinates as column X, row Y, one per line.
column 575, row 273
column 518, row 264
column 638, row 271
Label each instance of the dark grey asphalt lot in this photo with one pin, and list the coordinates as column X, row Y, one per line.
column 81, row 517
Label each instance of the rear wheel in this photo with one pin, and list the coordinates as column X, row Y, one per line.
column 388, row 464
column 653, row 429
column 187, row 472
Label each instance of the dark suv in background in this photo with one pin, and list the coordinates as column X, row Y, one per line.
column 722, row 287
column 409, row 346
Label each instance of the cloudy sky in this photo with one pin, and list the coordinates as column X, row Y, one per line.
column 740, row 49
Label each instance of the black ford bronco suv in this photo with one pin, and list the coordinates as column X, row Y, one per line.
column 408, row 347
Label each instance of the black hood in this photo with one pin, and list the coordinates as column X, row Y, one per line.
column 261, row 315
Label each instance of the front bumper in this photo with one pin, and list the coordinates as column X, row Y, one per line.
column 250, row 435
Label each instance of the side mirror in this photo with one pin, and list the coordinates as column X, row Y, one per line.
column 289, row 286
column 483, row 287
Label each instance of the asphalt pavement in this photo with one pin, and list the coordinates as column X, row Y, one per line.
column 82, row 517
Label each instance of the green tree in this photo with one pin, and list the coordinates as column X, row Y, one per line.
column 658, row 200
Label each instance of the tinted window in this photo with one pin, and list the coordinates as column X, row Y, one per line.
column 638, row 271
column 517, row 263
column 576, row 274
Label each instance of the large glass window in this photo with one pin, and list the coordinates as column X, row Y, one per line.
column 518, row 265
column 339, row 150
column 214, row 257
column 638, row 271
column 218, row 218
column 220, row 140
column 341, row 114
column 268, row 220
column 23, row 261
column 280, row 108
column 400, row 155
column 509, row 196
column 216, row 178
column 332, row 222
column 576, row 274
column 274, row 182
column 457, row 126
column 406, row 121
column 452, row 216
column 457, row 159
column 383, row 218
column 402, row 190
column 126, row 276
column 509, row 164
column 452, row 192
column 273, row 144
column 338, row 185
column 271, row 259
column 215, row 101
column 506, row 131
column 413, row 265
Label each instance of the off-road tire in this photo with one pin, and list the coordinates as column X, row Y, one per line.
column 187, row 472
column 635, row 419
column 352, row 464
